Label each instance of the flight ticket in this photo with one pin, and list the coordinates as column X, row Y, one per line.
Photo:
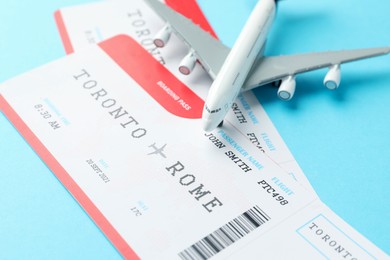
column 123, row 134
column 83, row 25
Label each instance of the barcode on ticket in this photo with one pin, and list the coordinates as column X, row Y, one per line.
column 226, row 235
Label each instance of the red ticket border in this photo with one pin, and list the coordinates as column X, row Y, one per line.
column 63, row 32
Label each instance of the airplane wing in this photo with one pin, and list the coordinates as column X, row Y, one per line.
column 274, row 68
column 212, row 53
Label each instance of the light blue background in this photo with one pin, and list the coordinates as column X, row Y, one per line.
column 340, row 138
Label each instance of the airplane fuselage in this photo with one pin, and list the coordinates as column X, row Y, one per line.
column 229, row 81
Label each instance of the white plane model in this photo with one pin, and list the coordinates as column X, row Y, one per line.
column 244, row 67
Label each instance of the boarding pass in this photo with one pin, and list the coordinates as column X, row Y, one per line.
column 105, row 122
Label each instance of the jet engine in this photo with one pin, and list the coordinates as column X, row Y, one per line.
column 333, row 77
column 188, row 63
column 163, row 36
column 287, row 88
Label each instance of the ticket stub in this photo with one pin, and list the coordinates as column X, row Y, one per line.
column 81, row 26
column 123, row 135
column 313, row 233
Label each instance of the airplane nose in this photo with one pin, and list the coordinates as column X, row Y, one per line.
column 207, row 125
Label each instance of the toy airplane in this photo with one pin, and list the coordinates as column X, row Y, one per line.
column 244, row 67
